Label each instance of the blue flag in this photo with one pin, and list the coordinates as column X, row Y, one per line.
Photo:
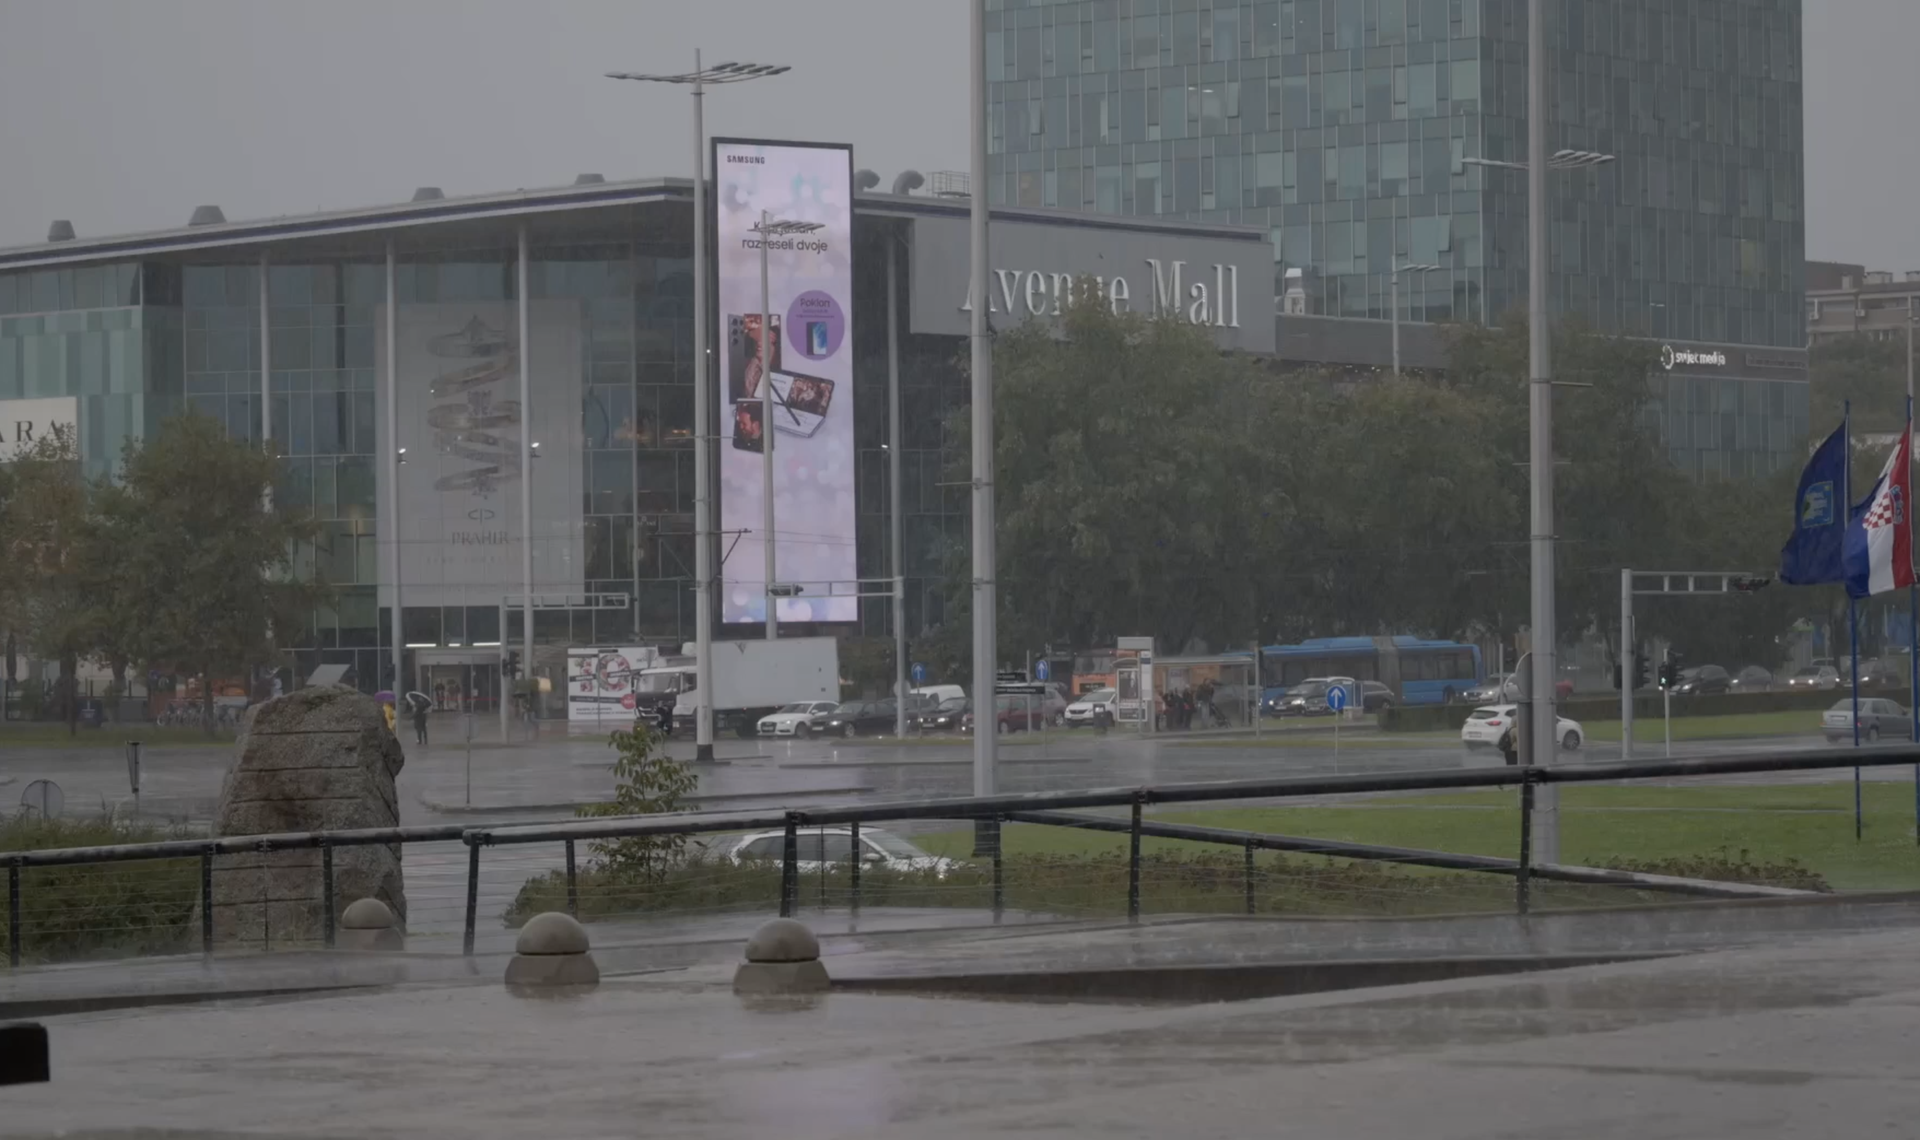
column 1813, row 555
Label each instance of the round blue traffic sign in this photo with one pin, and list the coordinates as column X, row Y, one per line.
column 919, row 673
column 1041, row 669
column 1337, row 697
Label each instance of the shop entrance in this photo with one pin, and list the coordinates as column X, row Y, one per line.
column 458, row 680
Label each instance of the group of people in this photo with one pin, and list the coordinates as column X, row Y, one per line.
column 1179, row 708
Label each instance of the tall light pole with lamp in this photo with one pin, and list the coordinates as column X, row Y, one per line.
column 769, row 228
column 1541, row 703
column 1394, row 302
column 703, row 401
column 985, row 641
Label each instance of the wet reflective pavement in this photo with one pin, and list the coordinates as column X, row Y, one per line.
column 1800, row 1034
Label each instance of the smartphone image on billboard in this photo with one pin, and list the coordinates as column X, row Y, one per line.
column 802, row 403
column 816, row 338
column 748, row 434
column 743, row 355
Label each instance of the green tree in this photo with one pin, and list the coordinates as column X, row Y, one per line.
column 208, row 574
column 647, row 781
column 52, row 593
column 1862, row 371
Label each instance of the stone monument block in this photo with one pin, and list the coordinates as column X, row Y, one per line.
column 317, row 759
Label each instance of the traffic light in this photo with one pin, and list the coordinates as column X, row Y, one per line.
column 511, row 667
column 1616, row 674
column 1639, row 671
column 1669, row 671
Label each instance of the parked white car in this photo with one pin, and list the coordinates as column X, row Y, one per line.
column 834, row 845
column 795, row 719
column 1814, row 677
column 1081, row 711
column 1488, row 723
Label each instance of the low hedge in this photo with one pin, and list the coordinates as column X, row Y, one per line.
column 99, row 910
column 1200, row 882
column 1646, row 706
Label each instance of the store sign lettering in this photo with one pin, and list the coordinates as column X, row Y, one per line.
column 1206, row 298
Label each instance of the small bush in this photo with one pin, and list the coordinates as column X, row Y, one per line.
column 99, row 909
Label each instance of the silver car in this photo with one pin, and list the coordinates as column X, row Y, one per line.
column 1878, row 717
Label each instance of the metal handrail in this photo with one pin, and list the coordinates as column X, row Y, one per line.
column 1033, row 807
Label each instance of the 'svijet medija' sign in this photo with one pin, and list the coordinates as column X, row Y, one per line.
column 1211, row 297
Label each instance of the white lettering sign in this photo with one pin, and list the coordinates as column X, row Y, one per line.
column 1671, row 356
column 1035, row 293
column 24, row 423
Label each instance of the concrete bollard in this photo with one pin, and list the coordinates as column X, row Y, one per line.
column 551, row 953
column 783, row 957
column 369, row 924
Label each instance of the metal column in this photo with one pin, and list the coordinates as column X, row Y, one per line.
column 1546, row 831
column 266, row 361
column 526, row 470
column 390, row 510
column 985, row 648
column 768, row 550
column 893, row 486
column 1629, row 664
column 703, row 432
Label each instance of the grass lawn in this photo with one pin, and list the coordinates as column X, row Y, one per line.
column 1652, row 730
column 42, row 734
column 1810, row 823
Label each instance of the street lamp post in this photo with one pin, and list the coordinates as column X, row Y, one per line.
column 1394, row 301
column 703, row 401
column 1541, row 702
column 980, row 395
column 768, row 229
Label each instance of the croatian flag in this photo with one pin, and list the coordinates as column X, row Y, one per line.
column 1879, row 544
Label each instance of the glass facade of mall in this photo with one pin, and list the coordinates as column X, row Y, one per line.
column 1345, row 128
column 135, row 341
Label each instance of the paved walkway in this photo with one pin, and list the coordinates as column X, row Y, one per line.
column 1809, row 1036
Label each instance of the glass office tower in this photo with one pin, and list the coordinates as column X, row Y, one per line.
column 1345, row 127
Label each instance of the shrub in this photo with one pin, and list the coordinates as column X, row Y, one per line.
column 99, row 909
column 646, row 782
column 1721, row 866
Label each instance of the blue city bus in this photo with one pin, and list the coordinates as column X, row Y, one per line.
column 1418, row 671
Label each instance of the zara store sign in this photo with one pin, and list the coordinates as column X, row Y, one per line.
column 24, row 423
column 1202, row 275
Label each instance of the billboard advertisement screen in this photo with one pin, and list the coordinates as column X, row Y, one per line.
column 807, row 359
column 461, row 422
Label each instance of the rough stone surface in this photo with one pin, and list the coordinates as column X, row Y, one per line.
column 317, row 759
column 366, row 914
column 781, row 978
column 783, row 940
column 540, row 971
column 551, row 932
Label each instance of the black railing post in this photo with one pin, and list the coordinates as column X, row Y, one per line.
column 790, row 867
column 206, row 900
column 473, row 894
column 1523, row 874
column 853, row 887
column 13, row 913
column 326, row 891
column 1133, row 862
column 573, row 883
column 999, row 873
column 1249, row 876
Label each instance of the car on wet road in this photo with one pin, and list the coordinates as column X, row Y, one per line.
column 1878, row 717
column 1488, row 723
column 796, row 719
column 822, row 846
column 1085, row 708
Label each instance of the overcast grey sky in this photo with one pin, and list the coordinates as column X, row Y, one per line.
column 125, row 114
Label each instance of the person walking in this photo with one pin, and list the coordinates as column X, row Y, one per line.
column 420, row 705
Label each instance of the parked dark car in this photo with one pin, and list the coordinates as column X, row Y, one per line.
column 1878, row 717
column 1753, row 679
column 857, row 717
column 1375, row 696
column 1701, row 680
column 943, row 717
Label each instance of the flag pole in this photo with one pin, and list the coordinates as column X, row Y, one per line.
column 1913, row 603
column 1853, row 617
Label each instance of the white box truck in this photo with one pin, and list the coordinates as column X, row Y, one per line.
column 750, row 680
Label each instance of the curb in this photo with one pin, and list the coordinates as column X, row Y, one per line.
column 726, row 797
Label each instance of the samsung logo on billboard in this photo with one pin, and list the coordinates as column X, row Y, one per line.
column 749, row 159
column 1211, row 297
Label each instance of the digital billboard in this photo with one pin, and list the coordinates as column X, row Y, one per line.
column 808, row 361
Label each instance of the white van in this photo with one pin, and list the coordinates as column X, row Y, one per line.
column 938, row 693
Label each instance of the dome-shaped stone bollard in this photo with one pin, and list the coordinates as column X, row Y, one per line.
column 550, row 953
column 369, row 924
column 783, row 957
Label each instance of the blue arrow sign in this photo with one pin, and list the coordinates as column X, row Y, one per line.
column 1041, row 670
column 1337, row 697
column 919, row 673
